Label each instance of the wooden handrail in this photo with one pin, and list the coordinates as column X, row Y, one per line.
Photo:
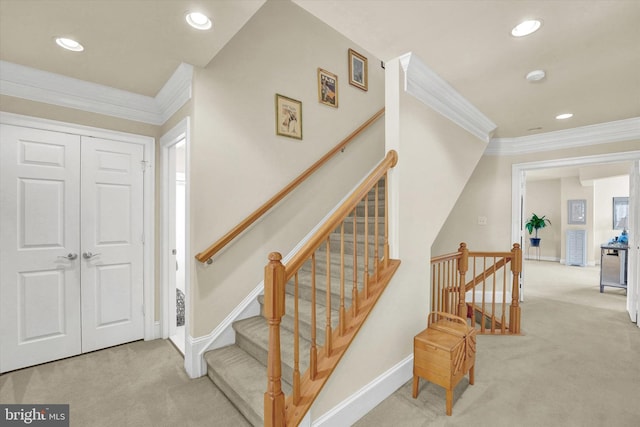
column 248, row 221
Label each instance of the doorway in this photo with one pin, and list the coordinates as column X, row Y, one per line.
column 175, row 235
column 518, row 195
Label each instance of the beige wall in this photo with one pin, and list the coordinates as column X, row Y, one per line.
column 237, row 161
column 436, row 158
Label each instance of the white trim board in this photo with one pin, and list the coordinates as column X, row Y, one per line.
column 50, row 88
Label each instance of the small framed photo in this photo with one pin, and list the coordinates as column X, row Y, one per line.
column 358, row 70
column 577, row 210
column 620, row 213
column 288, row 117
column 327, row 88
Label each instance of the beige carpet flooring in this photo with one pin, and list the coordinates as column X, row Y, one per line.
column 577, row 364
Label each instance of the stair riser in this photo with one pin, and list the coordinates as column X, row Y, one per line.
column 321, row 294
column 370, row 209
column 348, row 227
column 321, row 269
column 334, row 245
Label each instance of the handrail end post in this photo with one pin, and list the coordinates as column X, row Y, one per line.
column 274, row 275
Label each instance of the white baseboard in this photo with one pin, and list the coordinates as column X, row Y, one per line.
column 368, row 397
column 193, row 362
column 544, row 258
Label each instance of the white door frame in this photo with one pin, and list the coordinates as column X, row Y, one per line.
column 518, row 177
column 172, row 137
column 150, row 330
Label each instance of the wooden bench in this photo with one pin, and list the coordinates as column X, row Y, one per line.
column 443, row 353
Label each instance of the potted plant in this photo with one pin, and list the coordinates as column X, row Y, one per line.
column 535, row 223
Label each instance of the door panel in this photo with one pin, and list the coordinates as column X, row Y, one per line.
column 112, row 248
column 39, row 246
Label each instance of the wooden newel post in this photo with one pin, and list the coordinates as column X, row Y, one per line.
column 463, row 266
column 516, row 269
column 274, row 273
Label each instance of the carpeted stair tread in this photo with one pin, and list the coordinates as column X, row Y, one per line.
column 235, row 372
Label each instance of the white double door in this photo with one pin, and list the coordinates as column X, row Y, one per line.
column 71, row 245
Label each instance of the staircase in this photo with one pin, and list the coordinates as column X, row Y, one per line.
column 240, row 370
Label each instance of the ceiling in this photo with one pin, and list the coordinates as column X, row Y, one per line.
column 589, row 49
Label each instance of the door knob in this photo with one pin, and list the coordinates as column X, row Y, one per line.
column 89, row 255
column 70, row 256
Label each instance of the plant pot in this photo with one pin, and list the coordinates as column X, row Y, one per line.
column 535, row 241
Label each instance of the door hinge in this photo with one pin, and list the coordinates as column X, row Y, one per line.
column 142, row 238
column 144, row 165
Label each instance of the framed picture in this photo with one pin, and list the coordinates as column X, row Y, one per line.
column 620, row 213
column 327, row 88
column 358, row 70
column 288, row 117
column 577, row 211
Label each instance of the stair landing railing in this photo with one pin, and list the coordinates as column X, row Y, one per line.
column 484, row 298
column 359, row 235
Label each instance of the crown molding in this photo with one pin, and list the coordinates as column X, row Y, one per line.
column 42, row 86
column 431, row 89
column 603, row 133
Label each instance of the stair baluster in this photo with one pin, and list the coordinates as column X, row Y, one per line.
column 313, row 351
column 328, row 330
column 343, row 312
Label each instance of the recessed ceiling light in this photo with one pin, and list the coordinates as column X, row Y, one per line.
column 564, row 116
column 526, row 27
column 69, row 44
column 536, row 75
column 198, row 20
